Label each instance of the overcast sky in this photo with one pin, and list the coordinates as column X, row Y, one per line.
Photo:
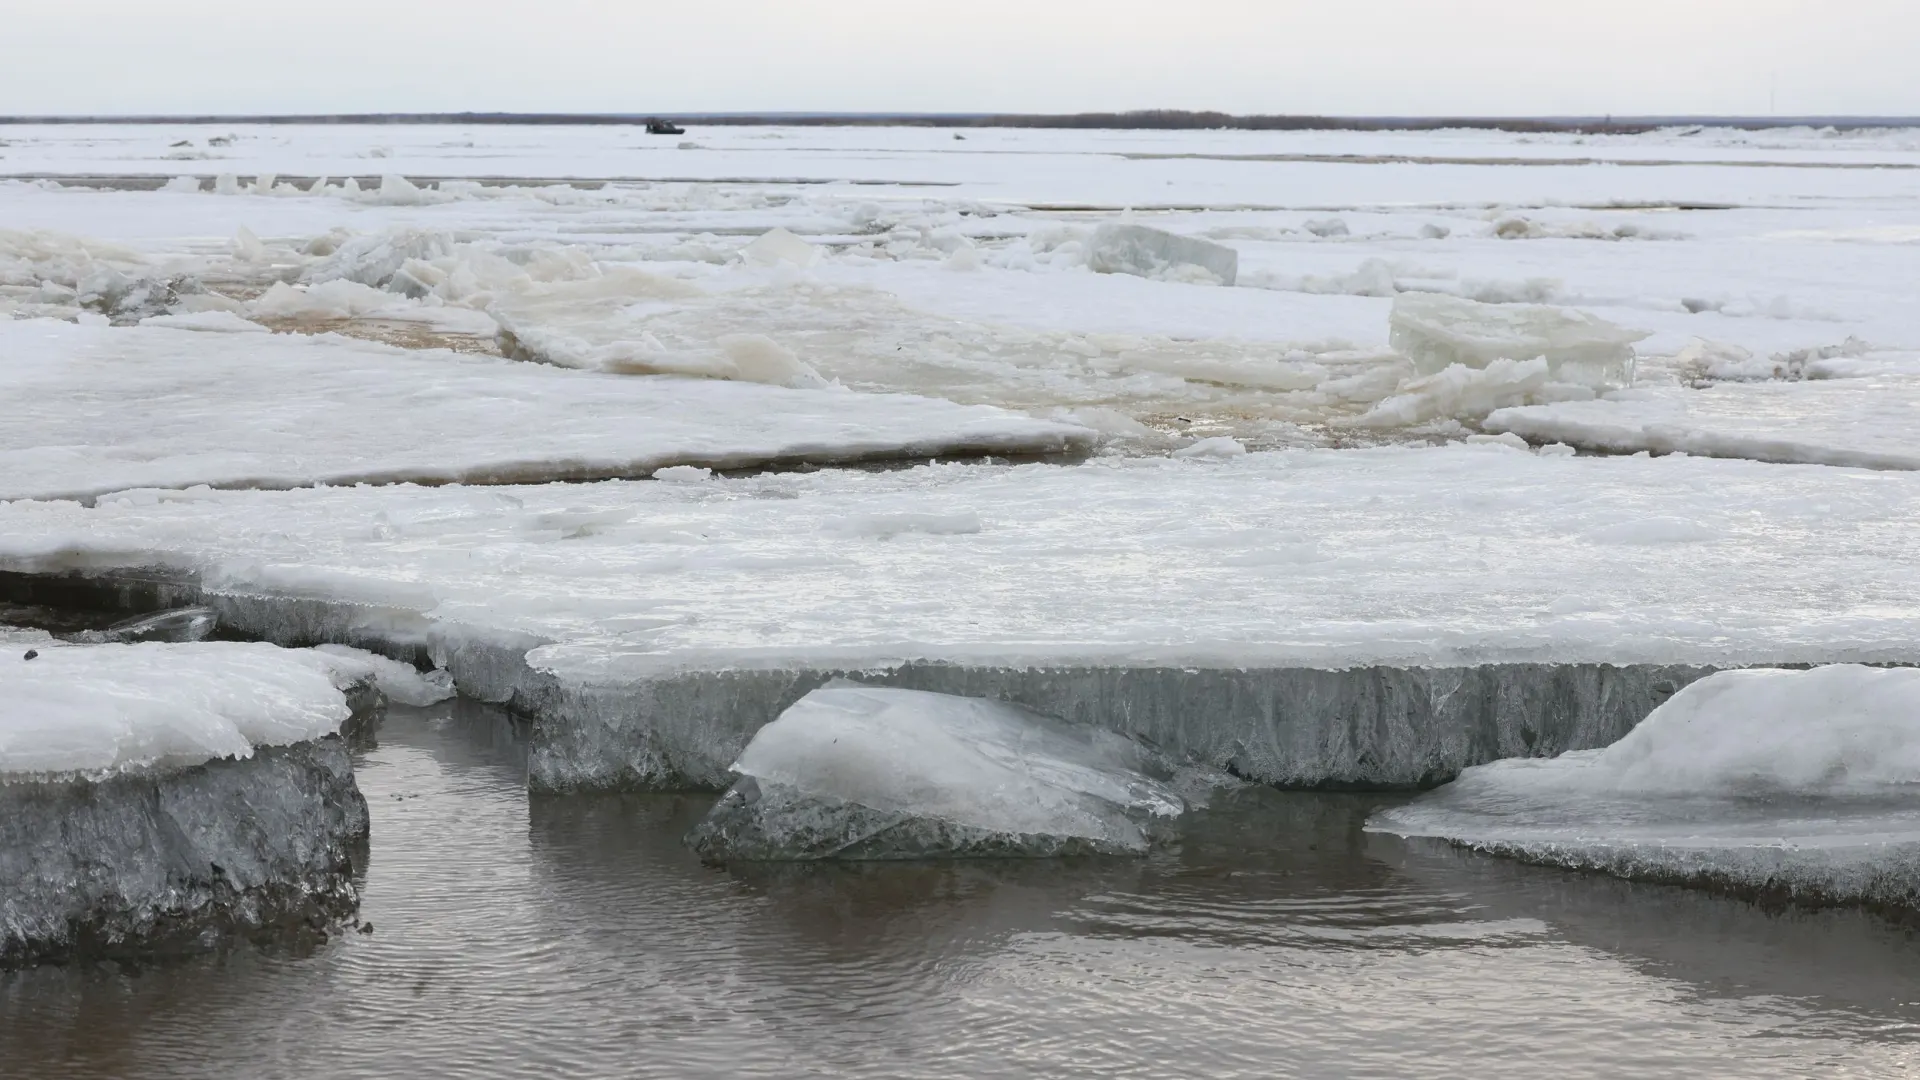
column 1419, row 57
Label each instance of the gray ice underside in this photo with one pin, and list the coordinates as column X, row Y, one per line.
column 1379, row 728
column 172, row 859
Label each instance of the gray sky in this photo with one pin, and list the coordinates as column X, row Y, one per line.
column 1332, row 56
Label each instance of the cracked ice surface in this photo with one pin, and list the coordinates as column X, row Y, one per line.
column 92, row 410
column 1469, row 553
column 1781, row 782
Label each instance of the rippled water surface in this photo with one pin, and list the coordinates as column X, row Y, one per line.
column 577, row 937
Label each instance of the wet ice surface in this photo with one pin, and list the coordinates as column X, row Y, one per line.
column 857, row 772
column 579, row 936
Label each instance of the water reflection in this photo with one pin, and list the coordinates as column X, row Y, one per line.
column 576, row 936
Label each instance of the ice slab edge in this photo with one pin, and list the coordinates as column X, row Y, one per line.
column 1376, row 728
column 487, row 666
column 162, row 860
column 1888, row 882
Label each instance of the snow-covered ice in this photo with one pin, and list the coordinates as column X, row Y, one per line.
column 92, row 410
column 102, row 708
column 1459, row 554
column 1767, row 781
column 166, row 795
column 857, row 772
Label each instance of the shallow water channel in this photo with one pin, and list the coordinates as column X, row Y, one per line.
column 576, row 936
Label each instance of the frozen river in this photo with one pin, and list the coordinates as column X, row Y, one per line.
column 1326, row 459
column 578, row 937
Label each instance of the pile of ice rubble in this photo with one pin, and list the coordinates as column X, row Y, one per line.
column 769, row 317
column 164, row 794
column 856, row 772
column 1773, row 783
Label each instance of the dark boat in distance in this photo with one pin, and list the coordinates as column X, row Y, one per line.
column 664, row 127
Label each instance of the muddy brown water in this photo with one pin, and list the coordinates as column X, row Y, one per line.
column 578, row 937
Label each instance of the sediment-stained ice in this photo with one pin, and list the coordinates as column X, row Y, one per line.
column 1766, row 782
column 856, row 772
column 92, row 410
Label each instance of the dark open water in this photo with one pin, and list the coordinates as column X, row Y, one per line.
column 576, row 937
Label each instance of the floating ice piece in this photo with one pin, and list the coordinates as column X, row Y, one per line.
column 1220, row 446
column 100, row 708
column 399, row 682
column 1764, row 781
column 1437, row 331
column 377, row 259
column 1861, row 423
column 779, row 246
column 178, row 625
column 1463, row 392
column 170, row 860
column 854, row 772
column 211, row 321
column 1325, row 227
column 336, row 299
column 1145, row 252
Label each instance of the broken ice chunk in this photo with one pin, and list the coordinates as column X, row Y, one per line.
column 1436, row 332
column 856, row 772
column 1155, row 253
column 780, row 246
column 178, row 625
column 1790, row 784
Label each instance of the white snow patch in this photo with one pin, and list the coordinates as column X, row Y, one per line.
column 97, row 708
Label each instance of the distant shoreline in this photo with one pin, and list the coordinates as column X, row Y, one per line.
column 1127, row 121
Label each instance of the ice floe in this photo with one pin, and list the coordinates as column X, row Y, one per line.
column 856, row 772
column 101, row 708
column 1780, row 784
column 93, row 410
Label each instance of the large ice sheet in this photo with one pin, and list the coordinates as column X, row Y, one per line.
column 1473, row 553
column 92, row 410
column 856, row 772
column 101, row 708
column 1872, row 421
column 1769, row 782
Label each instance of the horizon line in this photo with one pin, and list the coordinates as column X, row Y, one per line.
column 1143, row 119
